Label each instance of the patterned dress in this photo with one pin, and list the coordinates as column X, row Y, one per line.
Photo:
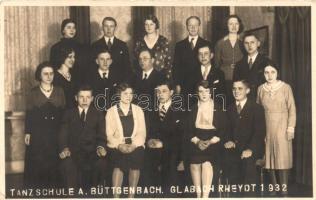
column 280, row 114
column 162, row 54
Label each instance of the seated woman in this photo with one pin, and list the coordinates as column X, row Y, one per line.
column 205, row 127
column 158, row 44
column 63, row 77
column 126, row 134
column 44, row 108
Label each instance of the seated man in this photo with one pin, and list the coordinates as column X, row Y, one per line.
column 244, row 143
column 82, row 142
column 163, row 152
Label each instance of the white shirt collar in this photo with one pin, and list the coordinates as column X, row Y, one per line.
column 107, row 39
column 101, row 73
column 81, row 109
column 195, row 39
column 209, row 67
column 166, row 105
column 253, row 57
column 148, row 73
column 242, row 103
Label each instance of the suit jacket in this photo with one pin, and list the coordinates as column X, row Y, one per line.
column 216, row 79
column 114, row 128
column 247, row 129
column 185, row 61
column 99, row 85
column 169, row 131
column 119, row 53
column 82, row 139
column 254, row 75
column 147, row 86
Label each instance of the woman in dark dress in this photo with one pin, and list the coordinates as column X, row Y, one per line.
column 68, row 40
column 205, row 127
column 63, row 76
column 126, row 134
column 42, row 121
column 158, row 44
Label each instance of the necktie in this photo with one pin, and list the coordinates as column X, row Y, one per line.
column 82, row 116
column 239, row 108
column 250, row 63
column 191, row 43
column 104, row 75
column 162, row 113
column 205, row 73
column 145, row 76
column 109, row 44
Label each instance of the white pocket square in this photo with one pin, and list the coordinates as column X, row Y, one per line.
column 216, row 81
column 121, row 52
column 178, row 121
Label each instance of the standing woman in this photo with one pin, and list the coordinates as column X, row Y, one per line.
column 158, row 44
column 63, row 76
column 126, row 134
column 277, row 99
column 68, row 40
column 42, row 121
column 229, row 50
column 205, row 127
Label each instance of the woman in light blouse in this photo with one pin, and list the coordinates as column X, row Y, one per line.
column 280, row 112
column 205, row 127
column 126, row 134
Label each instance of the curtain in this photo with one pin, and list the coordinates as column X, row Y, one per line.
column 293, row 54
column 219, row 15
column 29, row 33
column 81, row 15
column 139, row 14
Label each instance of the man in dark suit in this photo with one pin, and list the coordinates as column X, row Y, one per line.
column 185, row 57
column 244, row 142
column 251, row 66
column 208, row 72
column 82, row 143
column 164, row 141
column 117, row 48
column 103, row 80
column 146, row 80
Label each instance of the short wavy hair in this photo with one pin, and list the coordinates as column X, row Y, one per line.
column 39, row 69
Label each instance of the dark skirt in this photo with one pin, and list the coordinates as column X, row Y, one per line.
column 198, row 156
column 133, row 160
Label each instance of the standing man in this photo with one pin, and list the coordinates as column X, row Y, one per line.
column 145, row 81
column 244, row 142
column 208, row 72
column 117, row 48
column 103, row 80
column 185, row 57
column 251, row 66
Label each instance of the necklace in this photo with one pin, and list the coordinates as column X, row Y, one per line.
column 49, row 90
column 67, row 75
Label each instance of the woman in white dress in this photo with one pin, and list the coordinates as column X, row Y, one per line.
column 277, row 99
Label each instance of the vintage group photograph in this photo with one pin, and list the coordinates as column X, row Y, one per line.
column 183, row 101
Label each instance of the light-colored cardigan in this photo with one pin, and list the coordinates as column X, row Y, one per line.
column 114, row 128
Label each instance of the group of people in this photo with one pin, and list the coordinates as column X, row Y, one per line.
column 93, row 117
